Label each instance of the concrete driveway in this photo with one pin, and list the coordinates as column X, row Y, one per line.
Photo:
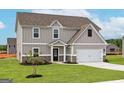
column 104, row 65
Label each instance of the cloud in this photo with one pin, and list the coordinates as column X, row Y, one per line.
column 112, row 28
column 2, row 25
column 71, row 12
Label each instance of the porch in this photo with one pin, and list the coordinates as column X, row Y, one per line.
column 58, row 51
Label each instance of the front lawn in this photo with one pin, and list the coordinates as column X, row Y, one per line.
column 115, row 59
column 55, row 73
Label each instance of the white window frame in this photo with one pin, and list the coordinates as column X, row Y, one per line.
column 53, row 32
column 33, row 32
column 35, row 48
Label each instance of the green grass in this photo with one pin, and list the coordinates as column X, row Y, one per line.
column 115, row 59
column 56, row 73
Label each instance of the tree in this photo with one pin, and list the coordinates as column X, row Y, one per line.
column 34, row 60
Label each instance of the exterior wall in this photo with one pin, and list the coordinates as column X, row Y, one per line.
column 85, row 39
column 18, row 41
column 25, row 59
column 48, row 58
column 11, row 49
column 66, row 34
column 44, row 49
column 46, row 35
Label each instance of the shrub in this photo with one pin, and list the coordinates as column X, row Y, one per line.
column 35, row 60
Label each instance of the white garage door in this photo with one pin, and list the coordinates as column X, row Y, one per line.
column 89, row 55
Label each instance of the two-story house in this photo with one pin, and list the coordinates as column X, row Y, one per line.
column 59, row 38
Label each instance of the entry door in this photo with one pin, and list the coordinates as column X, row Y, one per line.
column 55, row 54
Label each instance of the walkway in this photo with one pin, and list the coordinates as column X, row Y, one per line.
column 104, row 65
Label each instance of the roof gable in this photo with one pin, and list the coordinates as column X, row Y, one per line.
column 56, row 23
column 96, row 38
column 58, row 42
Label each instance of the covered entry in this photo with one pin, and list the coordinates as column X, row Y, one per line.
column 55, row 50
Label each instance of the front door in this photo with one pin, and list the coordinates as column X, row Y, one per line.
column 55, row 54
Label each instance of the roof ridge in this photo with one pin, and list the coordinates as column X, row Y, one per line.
column 51, row 14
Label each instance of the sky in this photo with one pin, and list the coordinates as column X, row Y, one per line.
column 110, row 20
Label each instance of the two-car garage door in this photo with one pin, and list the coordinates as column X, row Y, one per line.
column 89, row 55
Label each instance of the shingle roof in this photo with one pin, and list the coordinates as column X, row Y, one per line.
column 46, row 19
column 73, row 38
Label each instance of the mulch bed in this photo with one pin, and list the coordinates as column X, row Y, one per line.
column 7, row 55
column 33, row 76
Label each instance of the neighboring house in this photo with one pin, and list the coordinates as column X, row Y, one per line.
column 112, row 49
column 59, row 38
column 11, row 45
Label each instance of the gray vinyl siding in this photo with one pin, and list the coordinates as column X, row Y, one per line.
column 88, row 47
column 46, row 35
column 18, row 41
column 85, row 39
column 44, row 49
column 66, row 34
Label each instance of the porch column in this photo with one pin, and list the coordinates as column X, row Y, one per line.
column 64, row 53
column 51, row 53
column 72, row 53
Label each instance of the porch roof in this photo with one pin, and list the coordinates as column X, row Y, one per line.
column 57, row 43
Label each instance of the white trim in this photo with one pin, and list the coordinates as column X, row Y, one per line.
column 58, row 45
column 64, row 58
column 21, row 43
column 58, row 41
column 98, row 34
column 80, row 34
column 89, row 44
column 35, row 48
column 39, row 55
column 57, row 28
column 51, row 53
column 33, row 32
column 72, row 52
column 63, row 54
column 51, row 25
column 35, row 43
column 94, row 30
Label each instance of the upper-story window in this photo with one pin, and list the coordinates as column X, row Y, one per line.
column 89, row 32
column 56, row 33
column 36, row 32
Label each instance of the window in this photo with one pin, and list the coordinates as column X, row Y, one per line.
column 36, row 32
column 14, row 46
column 112, row 49
column 89, row 33
column 35, row 52
column 56, row 34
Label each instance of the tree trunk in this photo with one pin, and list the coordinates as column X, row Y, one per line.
column 34, row 70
